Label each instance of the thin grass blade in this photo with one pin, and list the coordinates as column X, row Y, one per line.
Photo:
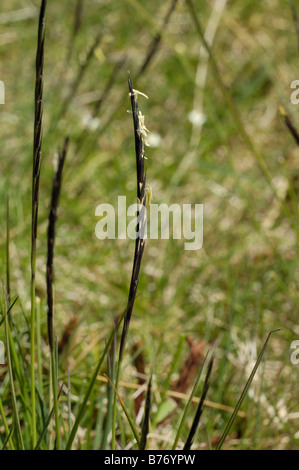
column 92, row 384
column 200, row 408
column 10, row 372
column 146, row 418
column 188, row 404
column 47, row 423
column 130, row 421
column 245, row 390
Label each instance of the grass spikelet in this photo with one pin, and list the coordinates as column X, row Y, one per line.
column 37, row 155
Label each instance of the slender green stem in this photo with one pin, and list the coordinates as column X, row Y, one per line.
column 92, row 384
column 47, row 423
column 244, row 392
column 200, row 408
column 186, row 409
column 111, row 357
column 5, row 424
column 69, row 402
column 32, row 368
column 131, row 422
column 10, row 372
column 113, row 439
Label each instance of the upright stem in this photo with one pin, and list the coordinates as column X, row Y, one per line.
column 10, row 372
column 55, row 396
column 56, row 188
column 37, row 142
column 140, row 242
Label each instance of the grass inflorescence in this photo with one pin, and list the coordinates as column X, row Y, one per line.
column 131, row 370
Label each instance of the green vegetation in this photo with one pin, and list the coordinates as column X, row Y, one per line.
column 114, row 346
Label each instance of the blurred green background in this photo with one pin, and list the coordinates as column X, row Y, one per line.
column 244, row 281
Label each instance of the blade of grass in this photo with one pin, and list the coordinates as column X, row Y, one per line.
column 20, row 366
column 10, row 372
column 235, row 113
column 111, row 371
column 131, row 422
column 244, row 392
column 48, row 420
column 173, row 367
column 227, row 94
column 8, row 438
column 78, row 13
column 153, row 48
column 14, row 355
column 208, row 439
column 9, row 310
column 151, row 52
column 91, row 385
column 200, row 408
column 187, row 406
column 238, row 120
column 77, row 80
column 146, row 418
column 6, row 427
column 99, row 103
column 179, row 396
column 288, row 122
column 99, row 425
column 89, row 420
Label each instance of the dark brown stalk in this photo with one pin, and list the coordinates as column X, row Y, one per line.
column 290, row 125
column 37, row 144
column 109, row 85
column 78, row 16
column 141, row 194
column 75, row 85
column 102, row 99
column 85, row 64
column 56, row 189
column 38, row 117
column 146, row 418
column 154, row 45
column 296, row 20
column 151, row 52
column 140, row 239
column 200, row 408
column 76, row 28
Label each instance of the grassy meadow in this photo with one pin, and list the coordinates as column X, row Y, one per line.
column 216, row 73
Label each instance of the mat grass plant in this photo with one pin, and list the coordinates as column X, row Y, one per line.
column 52, row 398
